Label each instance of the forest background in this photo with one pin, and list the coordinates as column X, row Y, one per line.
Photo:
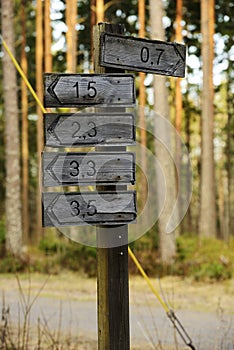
column 56, row 36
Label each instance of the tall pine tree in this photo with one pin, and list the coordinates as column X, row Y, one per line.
column 12, row 143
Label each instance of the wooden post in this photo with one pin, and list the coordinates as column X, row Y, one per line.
column 112, row 270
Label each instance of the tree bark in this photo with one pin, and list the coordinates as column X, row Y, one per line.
column 207, row 226
column 189, row 225
column 92, row 23
column 48, row 37
column 100, row 10
column 178, row 97
column 142, row 101
column 24, row 132
column 39, row 89
column 178, row 94
column 71, row 35
column 161, row 107
column 12, row 144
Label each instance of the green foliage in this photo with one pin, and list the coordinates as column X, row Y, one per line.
column 212, row 271
column 49, row 245
column 69, row 255
column 147, row 242
column 2, row 231
column 11, row 264
column 206, row 259
column 203, row 260
column 77, row 257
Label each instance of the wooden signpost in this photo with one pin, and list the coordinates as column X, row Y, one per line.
column 111, row 208
column 93, row 168
column 150, row 56
column 74, row 90
column 77, row 169
column 112, row 267
column 88, row 129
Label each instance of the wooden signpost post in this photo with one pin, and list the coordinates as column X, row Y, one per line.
column 108, row 208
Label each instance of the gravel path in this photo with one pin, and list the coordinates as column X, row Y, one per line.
column 149, row 324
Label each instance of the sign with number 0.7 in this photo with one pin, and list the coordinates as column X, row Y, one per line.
column 143, row 55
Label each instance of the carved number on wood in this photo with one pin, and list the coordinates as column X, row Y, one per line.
column 72, row 90
column 143, row 55
column 79, row 129
column 82, row 208
column 79, row 169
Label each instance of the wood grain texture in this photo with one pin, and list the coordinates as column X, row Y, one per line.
column 112, row 269
column 137, row 54
column 89, row 129
column 77, row 169
column 82, row 208
column 72, row 90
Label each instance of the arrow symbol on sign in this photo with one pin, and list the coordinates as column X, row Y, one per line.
column 180, row 54
column 53, row 210
column 51, row 88
column 50, row 212
column 52, row 128
column 50, row 169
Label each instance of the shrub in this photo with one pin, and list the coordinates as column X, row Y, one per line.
column 2, row 231
column 205, row 259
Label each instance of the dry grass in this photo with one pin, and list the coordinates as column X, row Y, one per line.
column 184, row 293
column 181, row 293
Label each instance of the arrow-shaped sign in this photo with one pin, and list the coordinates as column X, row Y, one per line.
column 150, row 56
column 104, row 208
column 72, row 90
column 79, row 169
column 88, row 129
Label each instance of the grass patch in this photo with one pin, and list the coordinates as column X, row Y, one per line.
column 205, row 259
column 200, row 259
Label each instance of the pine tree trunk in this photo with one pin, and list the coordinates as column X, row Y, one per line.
column 71, row 35
column 229, row 153
column 24, row 132
column 12, row 144
column 207, row 226
column 39, row 89
column 100, row 10
column 48, row 37
column 178, row 97
column 92, row 23
column 189, row 226
column 142, row 100
column 161, row 107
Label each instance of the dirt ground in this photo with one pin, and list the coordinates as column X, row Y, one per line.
column 205, row 309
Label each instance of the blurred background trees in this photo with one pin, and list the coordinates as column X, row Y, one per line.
column 56, row 36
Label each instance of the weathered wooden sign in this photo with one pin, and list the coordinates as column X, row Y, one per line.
column 88, row 129
column 77, row 169
column 74, row 90
column 150, row 56
column 98, row 208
